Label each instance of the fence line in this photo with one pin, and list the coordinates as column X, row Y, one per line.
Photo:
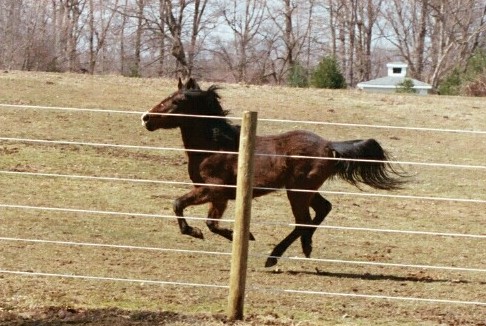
column 340, row 124
column 331, row 227
column 184, row 183
column 77, row 143
column 319, row 260
column 361, row 125
column 100, row 278
column 343, row 228
column 261, row 289
column 97, row 212
column 61, row 108
column 256, row 288
column 114, row 246
column 374, row 296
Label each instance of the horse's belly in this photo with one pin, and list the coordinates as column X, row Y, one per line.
column 269, row 172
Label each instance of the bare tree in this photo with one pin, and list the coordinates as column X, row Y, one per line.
column 140, row 5
column 338, row 18
column 293, row 21
column 121, row 33
column 253, row 40
column 155, row 18
column 175, row 18
column 99, row 22
column 69, row 29
column 27, row 35
column 407, row 24
column 437, row 34
column 244, row 19
column 11, row 32
column 457, row 26
column 368, row 14
column 353, row 25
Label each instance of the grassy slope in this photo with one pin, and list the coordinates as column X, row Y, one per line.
column 137, row 95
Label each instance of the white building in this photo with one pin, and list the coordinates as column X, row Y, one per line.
column 397, row 74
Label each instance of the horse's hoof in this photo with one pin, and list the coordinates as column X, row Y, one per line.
column 271, row 261
column 307, row 252
column 196, row 233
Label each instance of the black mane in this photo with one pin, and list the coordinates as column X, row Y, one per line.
column 225, row 134
column 212, row 100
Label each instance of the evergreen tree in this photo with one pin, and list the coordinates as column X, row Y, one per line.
column 328, row 74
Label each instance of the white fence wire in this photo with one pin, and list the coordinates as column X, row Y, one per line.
column 157, row 148
column 352, row 125
column 254, row 288
column 261, row 255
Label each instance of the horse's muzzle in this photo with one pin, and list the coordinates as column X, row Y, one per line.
column 145, row 121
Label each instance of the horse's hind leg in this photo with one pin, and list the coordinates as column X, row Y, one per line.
column 300, row 202
column 216, row 210
column 300, row 207
column 322, row 207
column 279, row 249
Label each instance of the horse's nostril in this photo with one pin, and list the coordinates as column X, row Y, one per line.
column 145, row 117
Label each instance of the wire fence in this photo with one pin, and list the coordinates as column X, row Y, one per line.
column 356, row 194
column 303, row 122
column 157, row 148
column 478, row 237
column 261, row 255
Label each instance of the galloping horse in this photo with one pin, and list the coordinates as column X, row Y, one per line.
column 209, row 141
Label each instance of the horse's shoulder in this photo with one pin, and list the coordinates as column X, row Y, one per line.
column 225, row 135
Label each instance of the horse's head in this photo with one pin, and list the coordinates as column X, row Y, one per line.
column 170, row 112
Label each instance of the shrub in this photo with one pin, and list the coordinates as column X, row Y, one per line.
column 452, row 84
column 406, row 86
column 468, row 81
column 328, row 75
column 476, row 65
column 298, row 76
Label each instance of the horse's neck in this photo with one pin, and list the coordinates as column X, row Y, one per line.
column 196, row 137
column 205, row 139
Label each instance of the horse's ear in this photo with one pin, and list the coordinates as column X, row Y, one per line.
column 180, row 83
column 192, row 84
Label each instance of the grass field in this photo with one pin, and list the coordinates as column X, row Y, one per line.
column 49, row 300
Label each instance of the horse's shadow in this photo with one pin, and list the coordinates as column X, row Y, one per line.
column 373, row 277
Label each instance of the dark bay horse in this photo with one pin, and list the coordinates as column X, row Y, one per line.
column 278, row 168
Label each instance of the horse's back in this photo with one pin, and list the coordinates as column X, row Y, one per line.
column 277, row 162
column 296, row 142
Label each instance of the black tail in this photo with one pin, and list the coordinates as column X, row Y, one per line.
column 379, row 175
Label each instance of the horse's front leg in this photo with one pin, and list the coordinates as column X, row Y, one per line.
column 197, row 196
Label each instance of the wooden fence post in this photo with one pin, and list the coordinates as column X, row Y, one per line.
column 241, row 233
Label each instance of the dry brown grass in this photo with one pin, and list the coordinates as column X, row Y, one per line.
column 27, row 298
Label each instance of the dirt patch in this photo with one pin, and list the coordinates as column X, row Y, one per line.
column 61, row 316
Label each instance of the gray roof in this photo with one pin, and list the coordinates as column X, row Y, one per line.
column 397, row 64
column 391, row 82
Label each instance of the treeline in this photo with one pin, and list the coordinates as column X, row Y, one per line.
column 251, row 41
